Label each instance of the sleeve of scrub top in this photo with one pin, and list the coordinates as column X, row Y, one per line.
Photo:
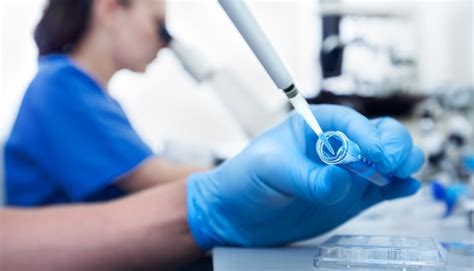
column 88, row 141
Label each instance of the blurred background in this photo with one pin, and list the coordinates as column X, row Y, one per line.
column 407, row 59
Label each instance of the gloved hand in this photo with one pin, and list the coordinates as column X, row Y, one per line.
column 278, row 191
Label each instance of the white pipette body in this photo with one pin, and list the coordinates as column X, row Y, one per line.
column 250, row 30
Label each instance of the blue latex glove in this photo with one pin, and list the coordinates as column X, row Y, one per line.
column 278, row 191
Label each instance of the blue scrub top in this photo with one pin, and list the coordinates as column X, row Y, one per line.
column 71, row 141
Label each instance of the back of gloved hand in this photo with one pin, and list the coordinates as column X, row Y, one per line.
column 278, row 191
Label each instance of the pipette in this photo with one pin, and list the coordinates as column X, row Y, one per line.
column 250, row 30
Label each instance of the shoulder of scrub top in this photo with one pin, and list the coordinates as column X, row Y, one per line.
column 61, row 66
column 58, row 78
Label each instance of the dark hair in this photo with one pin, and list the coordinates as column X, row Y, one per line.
column 63, row 24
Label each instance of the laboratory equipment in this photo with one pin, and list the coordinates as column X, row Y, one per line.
column 239, row 98
column 348, row 155
column 252, row 115
column 445, row 123
column 451, row 195
column 248, row 27
column 360, row 252
column 380, row 38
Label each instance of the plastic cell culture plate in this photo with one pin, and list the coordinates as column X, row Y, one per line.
column 350, row 252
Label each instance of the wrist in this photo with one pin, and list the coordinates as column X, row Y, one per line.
column 198, row 201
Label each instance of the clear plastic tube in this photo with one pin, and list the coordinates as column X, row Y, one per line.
column 348, row 155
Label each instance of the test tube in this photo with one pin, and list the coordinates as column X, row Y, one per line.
column 348, row 155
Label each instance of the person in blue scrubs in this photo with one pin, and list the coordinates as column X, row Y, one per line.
column 72, row 143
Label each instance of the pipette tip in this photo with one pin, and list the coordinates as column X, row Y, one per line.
column 327, row 144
